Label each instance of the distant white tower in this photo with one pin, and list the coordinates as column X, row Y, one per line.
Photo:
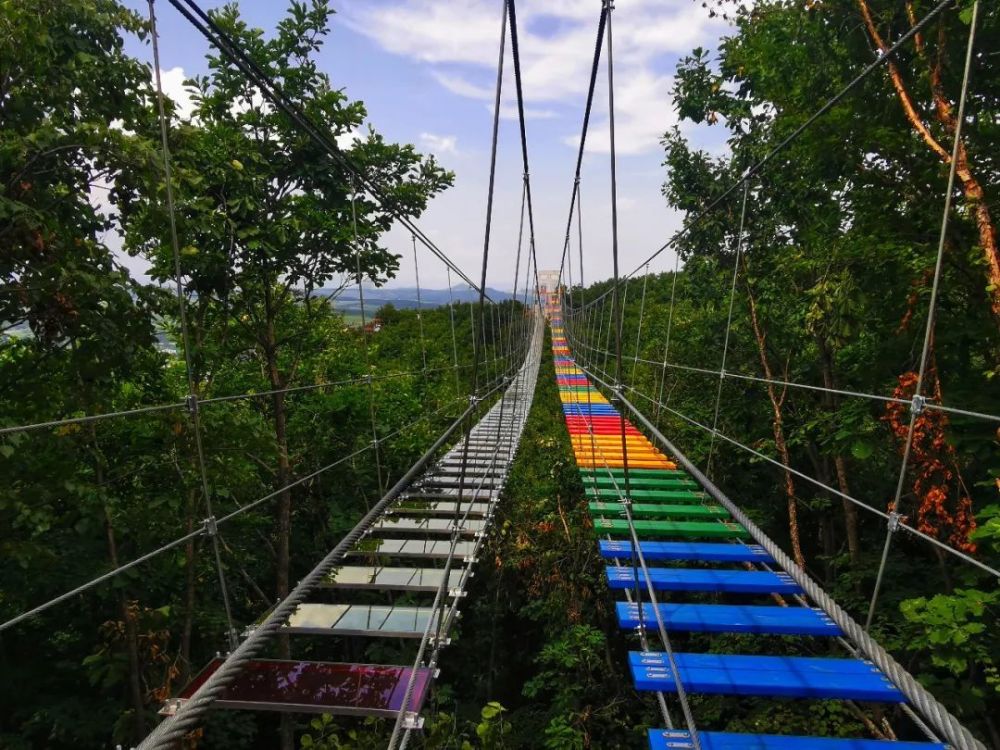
column 548, row 289
column 548, row 281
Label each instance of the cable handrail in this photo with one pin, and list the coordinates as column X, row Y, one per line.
column 173, row 405
column 927, row 402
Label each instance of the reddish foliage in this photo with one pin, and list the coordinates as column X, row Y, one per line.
column 945, row 510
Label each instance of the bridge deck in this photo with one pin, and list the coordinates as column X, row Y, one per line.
column 669, row 512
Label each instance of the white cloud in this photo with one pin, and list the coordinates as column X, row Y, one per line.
column 643, row 113
column 464, row 35
column 439, row 144
column 458, row 85
column 346, row 140
column 508, row 111
column 173, row 86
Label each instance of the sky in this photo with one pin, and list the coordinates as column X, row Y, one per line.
column 426, row 71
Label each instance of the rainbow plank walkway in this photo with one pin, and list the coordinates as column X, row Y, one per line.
column 693, row 547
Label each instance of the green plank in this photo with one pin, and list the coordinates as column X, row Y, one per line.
column 656, row 510
column 638, row 473
column 692, row 529
column 676, row 496
column 666, row 484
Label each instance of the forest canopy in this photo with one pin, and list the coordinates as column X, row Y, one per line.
column 819, row 273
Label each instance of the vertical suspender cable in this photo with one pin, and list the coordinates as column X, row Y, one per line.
column 638, row 333
column 918, row 397
column 192, row 397
column 666, row 344
column 364, row 339
column 729, row 326
column 420, row 310
column 454, row 338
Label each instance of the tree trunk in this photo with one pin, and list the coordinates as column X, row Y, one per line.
column 190, row 588
column 839, row 463
column 131, row 639
column 284, row 509
column 777, row 425
column 971, row 188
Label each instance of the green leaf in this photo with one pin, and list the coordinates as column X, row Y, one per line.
column 861, row 450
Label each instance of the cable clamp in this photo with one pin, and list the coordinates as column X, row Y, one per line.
column 895, row 519
column 746, row 174
column 366, row 379
column 474, row 400
column 209, row 527
column 413, row 720
column 375, row 443
column 918, row 404
column 191, row 403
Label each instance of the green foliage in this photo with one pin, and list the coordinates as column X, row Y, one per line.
column 950, row 628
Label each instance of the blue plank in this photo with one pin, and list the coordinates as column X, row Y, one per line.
column 702, row 551
column 779, row 676
column 691, row 579
column 729, row 618
column 675, row 739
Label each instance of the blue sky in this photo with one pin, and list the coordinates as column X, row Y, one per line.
column 426, row 70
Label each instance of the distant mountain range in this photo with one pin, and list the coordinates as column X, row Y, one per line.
column 405, row 297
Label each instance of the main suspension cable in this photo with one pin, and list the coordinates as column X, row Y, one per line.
column 273, row 92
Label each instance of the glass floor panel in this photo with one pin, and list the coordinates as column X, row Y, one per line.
column 420, row 548
column 361, row 619
column 397, row 579
column 420, row 507
column 470, row 491
column 429, row 525
column 315, row 687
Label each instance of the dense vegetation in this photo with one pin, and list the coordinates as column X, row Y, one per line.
column 832, row 289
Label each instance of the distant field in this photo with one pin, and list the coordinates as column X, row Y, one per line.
column 353, row 318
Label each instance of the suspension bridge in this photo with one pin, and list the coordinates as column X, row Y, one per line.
column 681, row 556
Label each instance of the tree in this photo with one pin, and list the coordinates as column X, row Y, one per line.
column 68, row 93
column 265, row 216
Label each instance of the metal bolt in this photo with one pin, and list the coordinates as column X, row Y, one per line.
column 895, row 519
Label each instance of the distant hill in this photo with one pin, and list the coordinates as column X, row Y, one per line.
column 406, row 297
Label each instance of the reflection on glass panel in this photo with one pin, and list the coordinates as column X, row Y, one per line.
column 439, row 508
column 318, row 616
column 418, row 579
column 361, row 619
column 430, row 524
column 427, row 548
column 318, row 687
